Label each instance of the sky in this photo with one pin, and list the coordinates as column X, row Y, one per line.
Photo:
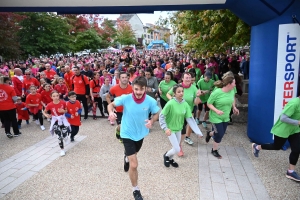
column 146, row 18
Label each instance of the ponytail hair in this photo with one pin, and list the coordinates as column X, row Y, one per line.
column 227, row 78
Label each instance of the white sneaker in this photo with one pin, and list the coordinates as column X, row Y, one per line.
column 43, row 127
column 37, row 122
column 188, row 140
column 48, row 119
column 62, row 153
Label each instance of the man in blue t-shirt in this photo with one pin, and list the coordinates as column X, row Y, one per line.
column 135, row 125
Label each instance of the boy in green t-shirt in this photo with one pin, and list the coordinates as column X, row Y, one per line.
column 286, row 128
column 172, row 119
column 206, row 86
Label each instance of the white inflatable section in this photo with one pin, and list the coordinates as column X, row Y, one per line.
column 87, row 3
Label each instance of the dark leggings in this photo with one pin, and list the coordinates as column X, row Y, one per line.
column 39, row 116
column 9, row 119
column 82, row 98
column 105, row 104
column 74, row 131
column 162, row 102
column 279, row 142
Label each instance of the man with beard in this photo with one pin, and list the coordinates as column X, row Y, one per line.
column 135, row 126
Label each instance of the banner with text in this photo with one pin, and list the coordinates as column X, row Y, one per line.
column 288, row 54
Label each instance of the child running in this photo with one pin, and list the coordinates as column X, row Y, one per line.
column 22, row 112
column 171, row 120
column 34, row 104
column 59, row 123
column 73, row 114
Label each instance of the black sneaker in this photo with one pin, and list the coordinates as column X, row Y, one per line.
column 9, row 135
column 173, row 163
column 17, row 134
column 126, row 164
column 137, row 195
column 72, row 139
column 166, row 160
column 207, row 138
column 216, row 153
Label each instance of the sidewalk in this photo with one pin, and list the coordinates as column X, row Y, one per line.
column 93, row 167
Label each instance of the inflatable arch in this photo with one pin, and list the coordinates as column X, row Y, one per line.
column 274, row 44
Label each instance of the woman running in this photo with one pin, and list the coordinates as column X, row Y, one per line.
column 220, row 103
column 171, row 120
column 164, row 87
column 286, row 128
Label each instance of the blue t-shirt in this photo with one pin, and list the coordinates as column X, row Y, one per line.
column 134, row 116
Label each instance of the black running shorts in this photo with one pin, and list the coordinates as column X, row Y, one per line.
column 132, row 147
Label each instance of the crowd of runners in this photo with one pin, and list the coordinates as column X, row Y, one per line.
column 126, row 88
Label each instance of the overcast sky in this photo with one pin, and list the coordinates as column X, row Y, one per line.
column 146, row 18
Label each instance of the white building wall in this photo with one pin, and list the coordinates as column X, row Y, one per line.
column 137, row 26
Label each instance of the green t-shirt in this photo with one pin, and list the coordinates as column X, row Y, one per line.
column 189, row 95
column 292, row 110
column 221, row 101
column 203, row 85
column 175, row 113
column 214, row 77
column 165, row 87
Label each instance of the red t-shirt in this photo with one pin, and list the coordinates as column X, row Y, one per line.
column 46, row 96
column 34, row 99
column 80, row 83
column 17, row 85
column 54, row 108
column 22, row 114
column 117, row 91
column 6, row 94
column 95, row 87
column 62, row 89
column 50, row 74
column 29, row 82
column 72, row 108
column 68, row 79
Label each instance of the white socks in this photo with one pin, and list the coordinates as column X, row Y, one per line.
column 135, row 188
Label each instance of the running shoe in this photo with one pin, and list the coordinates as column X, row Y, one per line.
column 173, row 163
column 216, row 153
column 117, row 133
column 37, row 122
column 180, row 152
column 137, row 195
column 17, row 134
column 293, row 176
column 126, row 164
column 166, row 160
column 204, row 124
column 27, row 122
column 9, row 135
column 197, row 121
column 62, row 153
column 207, row 138
column 72, row 139
column 94, row 117
column 254, row 150
column 19, row 126
column 43, row 127
column 188, row 140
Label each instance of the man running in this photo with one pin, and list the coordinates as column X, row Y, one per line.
column 135, row 125
column 122, row 88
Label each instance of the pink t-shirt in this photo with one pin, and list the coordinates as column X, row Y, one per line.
column 159, row 73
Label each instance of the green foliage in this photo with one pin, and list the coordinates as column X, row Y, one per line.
column 125, row 34
column 88, row 39
column 44, row 33
column 208, row 30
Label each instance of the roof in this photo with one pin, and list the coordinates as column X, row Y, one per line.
column 126, row 17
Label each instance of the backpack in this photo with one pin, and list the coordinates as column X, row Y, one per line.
column 96, row 85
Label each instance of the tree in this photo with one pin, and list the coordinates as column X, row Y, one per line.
column 125, row 35
column 208, row 30
column 9, row 40
column 44, row 33
column 88, row 40
column 106, row 31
